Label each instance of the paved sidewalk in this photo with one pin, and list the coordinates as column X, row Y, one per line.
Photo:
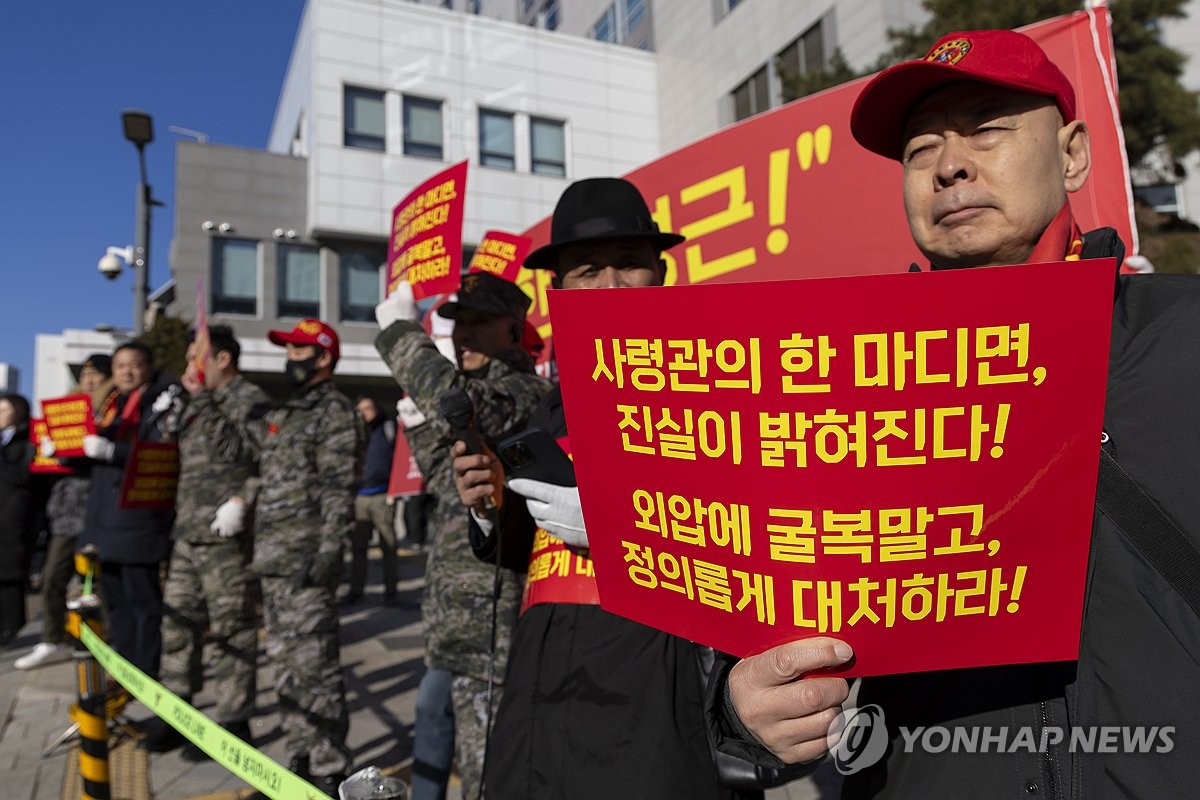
column 382, row 662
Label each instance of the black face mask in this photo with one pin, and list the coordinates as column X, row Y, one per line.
column 300, row 371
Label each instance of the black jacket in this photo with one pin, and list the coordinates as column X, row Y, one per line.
column 594, row 705
column 1139, row 657
column 127, row 536
column 16, row 505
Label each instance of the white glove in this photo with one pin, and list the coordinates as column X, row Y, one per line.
column 230, row 519
column 397, row 306
column 162, row 402
column 554, row 508
column 410, row 416
column 98, row 448
column 47, row 447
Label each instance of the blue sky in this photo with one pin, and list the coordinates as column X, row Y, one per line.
column 68, row 177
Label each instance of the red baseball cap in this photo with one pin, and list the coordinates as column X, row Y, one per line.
column 309, row 331
column 1002, row 58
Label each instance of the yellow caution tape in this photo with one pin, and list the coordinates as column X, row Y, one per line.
column 226, row 749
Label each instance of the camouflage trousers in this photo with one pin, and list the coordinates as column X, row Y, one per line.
column 302, row 648
column 469, row 697
column 209, row 586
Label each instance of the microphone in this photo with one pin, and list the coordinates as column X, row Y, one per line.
column 459, row 413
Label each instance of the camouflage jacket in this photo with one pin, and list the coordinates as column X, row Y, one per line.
column 218, row 454
column 309, row 467
column 458, row 587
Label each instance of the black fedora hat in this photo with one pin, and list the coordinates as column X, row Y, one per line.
column 483, row 291
column 596, row 209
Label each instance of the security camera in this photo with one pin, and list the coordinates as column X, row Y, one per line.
column 110, row 266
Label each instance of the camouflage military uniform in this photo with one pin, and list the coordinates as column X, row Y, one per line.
column 457, row 605
column 209, row 582
column 303, row 512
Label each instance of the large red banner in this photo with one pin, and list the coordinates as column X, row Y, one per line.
column 906, row 462
column 426, row 242
column 790, row 194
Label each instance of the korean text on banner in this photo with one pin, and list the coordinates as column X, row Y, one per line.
column 789, row 193
column 68, row 420
column 501, row 254
column 906, row 462
column 151, row 476
column 425, row 247
column 38, row 430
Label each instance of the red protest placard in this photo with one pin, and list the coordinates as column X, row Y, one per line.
column 426, row 243
column 51, row 466
column 151, row 476
column 405, row 479
column 907, row 462
column 789, row 193
column 501, row 254
column 68, row 420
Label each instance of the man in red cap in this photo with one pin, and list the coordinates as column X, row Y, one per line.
column 986, row 130
column 304, row 510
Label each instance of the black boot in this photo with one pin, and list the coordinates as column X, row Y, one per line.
column 159, row 737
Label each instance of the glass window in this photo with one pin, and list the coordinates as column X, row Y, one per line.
column 364, row 119
column 234, row 276
column 605, row 29
column 422, row 127
column 548, row 154
column 475, row 6
column 360, row 270
column 814, row 48
column 299, row 285
column 752, row 97
column 635, row 12
column 550, row 14
column 496, row 148
column 1162, row 197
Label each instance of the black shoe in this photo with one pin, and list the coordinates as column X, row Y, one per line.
column 159, row 737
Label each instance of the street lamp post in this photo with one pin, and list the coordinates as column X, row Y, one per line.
column 139, row 129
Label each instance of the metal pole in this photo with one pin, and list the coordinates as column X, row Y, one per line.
column 90, row 713
column 141, row 250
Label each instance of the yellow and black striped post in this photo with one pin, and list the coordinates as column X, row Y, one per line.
column 89, row 713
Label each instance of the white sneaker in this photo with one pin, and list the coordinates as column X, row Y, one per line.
column 43, row 653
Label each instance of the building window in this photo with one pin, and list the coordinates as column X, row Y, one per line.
column 234, row 276
column 634, row 11
column 805, row 55
column 496, row 147
column 547, row 147
column 605, row 29
column 550, row 15
column 752, row 97
column 526, row 6
column 475, row 6
column 299, row 285
column 360, row 284
column 364, row 119
column 422, row 127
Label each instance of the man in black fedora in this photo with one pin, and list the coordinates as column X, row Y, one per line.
column 594, row 705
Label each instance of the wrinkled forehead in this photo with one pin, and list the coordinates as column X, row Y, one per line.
column 971, row 102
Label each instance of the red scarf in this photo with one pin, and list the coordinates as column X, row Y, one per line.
column 1061, row 236
column 131, row 415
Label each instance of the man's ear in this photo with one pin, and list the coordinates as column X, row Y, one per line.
column 1075, row 145
column 224, row 360
column 324, row 359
